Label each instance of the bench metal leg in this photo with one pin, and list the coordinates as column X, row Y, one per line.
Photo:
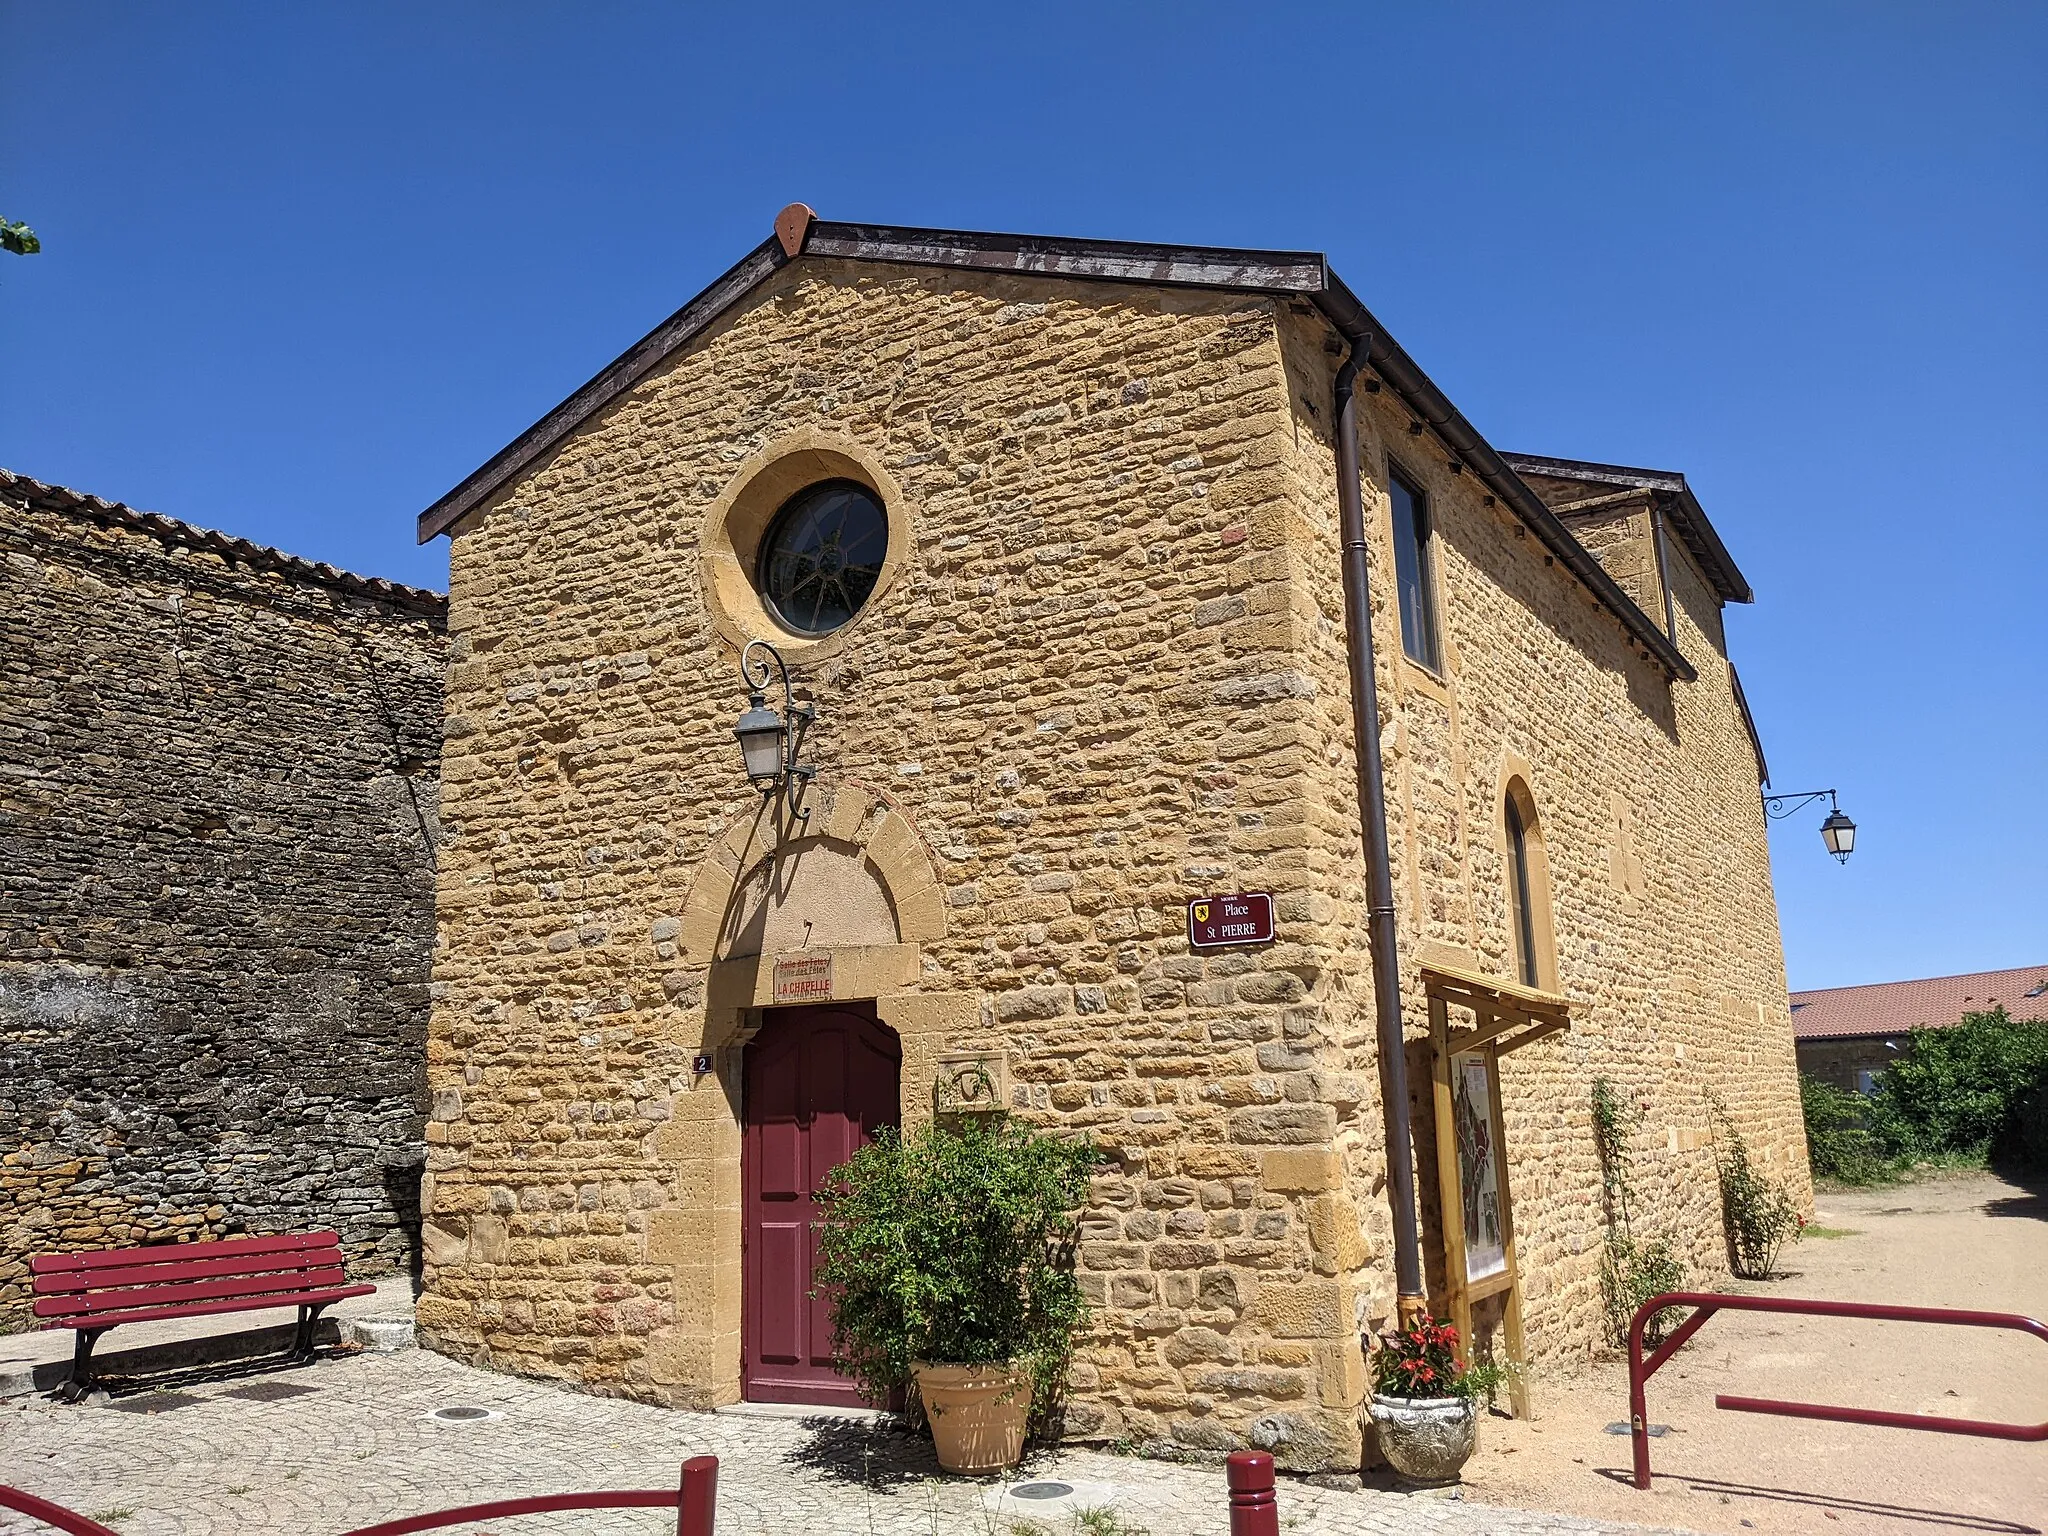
column 309, row 1320
column 80, row 1384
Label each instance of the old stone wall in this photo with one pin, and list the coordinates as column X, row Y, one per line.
column 1103, row 674
column 1663, row 924
column 217, row 804
column 1621, row 538
column 1049, row 711
column 1838, row 1061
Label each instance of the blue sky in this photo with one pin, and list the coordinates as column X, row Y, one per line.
column 306, row 266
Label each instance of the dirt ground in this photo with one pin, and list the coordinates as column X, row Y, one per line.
column 1973, row 1241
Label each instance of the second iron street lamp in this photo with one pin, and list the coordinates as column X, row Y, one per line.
column 1838, row 831
column 769, row 744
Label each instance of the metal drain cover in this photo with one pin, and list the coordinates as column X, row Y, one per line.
column 1040, row 1490
column 462, row 1414
column 1039, row 1499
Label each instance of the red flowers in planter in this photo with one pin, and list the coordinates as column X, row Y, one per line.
column 1422, row 1361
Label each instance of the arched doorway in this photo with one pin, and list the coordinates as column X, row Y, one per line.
column 820, row 1082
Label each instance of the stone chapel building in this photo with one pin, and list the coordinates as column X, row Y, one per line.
column 1048, row 534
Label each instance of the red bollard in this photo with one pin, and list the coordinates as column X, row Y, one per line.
column 698, row 1506
column 1254, row 1511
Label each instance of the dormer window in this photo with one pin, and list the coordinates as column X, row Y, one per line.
column 1414, row 573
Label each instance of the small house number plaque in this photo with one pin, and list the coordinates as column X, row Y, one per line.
column 1215, row 921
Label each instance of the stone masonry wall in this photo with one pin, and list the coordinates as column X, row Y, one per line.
column 1665, row 924
column 1107, row 677
column 1051, row 698
column 217, row 798
column 1838, row 1061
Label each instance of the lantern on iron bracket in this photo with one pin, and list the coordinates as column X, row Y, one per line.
column 1838, row 831
column 771, row 744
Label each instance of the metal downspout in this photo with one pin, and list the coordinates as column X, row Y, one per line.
column 1372, row 813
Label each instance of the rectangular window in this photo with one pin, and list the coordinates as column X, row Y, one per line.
column 1412, row 574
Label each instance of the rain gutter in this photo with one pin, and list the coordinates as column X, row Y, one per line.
column 1372, row 814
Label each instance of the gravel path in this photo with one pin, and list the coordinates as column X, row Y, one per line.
column 1975, row 1241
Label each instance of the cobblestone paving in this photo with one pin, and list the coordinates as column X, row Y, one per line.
column 359, row 1447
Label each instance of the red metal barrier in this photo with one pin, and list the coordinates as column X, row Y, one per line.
column 1707, row 1303
column 694, row 1499
column 65, row 1520
column 1254, row 1510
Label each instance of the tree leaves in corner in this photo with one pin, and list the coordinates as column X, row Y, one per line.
column 18, row 238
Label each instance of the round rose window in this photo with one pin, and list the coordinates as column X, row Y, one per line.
column 822, row 556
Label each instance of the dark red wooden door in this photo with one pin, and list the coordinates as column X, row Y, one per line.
column 820, row 1083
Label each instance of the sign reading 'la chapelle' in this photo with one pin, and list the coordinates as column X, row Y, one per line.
column 803, row 979
column 1216, row 921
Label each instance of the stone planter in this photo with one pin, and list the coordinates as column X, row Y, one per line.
column 1426, row 1439
column 977, row 1412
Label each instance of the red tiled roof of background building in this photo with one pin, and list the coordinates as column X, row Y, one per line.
column 1893, row 1007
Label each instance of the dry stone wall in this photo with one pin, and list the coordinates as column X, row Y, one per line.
column 217, row 802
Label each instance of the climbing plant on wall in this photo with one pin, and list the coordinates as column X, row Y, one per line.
column 1632, row 1270
column 1760, row 1216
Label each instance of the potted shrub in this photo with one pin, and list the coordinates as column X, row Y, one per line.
column 1424, row 1404
column 947, row 1255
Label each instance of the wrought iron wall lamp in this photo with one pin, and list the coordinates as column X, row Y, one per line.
column 1838, row 831
column 771, row 744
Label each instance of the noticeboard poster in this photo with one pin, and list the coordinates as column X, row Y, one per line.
column 1486, row 1251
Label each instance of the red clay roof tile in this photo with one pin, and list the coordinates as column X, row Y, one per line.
column 1893, row 1007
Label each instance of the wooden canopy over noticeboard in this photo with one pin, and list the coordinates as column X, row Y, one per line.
column 1471, row 1151
column 1511, row 1015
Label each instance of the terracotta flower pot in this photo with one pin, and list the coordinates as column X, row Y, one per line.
column 1426, row 1439
column 978, row 1413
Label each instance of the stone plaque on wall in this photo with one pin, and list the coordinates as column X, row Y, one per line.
column 971, row 1083
column 803, row 979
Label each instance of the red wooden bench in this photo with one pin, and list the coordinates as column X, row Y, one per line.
column 93, row 1292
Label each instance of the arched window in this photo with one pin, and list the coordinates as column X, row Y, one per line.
column 1526, row 868
column 1521, row 903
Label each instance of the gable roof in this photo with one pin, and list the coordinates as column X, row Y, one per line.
column 1893, row 1007
column 40, row 497
column 1681, row 506
column 1291, row 274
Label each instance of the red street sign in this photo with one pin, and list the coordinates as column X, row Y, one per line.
column 1214, row 921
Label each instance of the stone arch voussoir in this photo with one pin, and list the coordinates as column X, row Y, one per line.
column 846, row 814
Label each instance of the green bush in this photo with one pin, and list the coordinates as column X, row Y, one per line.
column 954, row 1247
column 1959, row 1090
column 2024, row 1140
column 1630, row 1274
column 1838, row 1146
